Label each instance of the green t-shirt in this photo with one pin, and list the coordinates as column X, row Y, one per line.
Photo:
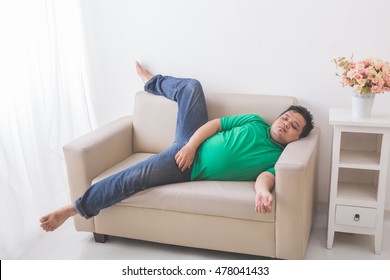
column 240, row 152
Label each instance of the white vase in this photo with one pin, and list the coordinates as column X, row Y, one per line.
column 362, row 104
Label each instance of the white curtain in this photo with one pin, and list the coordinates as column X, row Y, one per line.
column 44, row 103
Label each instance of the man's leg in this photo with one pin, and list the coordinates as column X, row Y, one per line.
column 157, row 170
column 160, row 169
column 188, row 93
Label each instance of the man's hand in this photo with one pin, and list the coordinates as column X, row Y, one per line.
column 264, row 184
column 263, row 202
column 185, row 157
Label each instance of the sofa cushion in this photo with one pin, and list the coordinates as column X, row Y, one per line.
column 217, row 198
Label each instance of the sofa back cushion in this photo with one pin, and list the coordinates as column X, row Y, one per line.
column 155, row 116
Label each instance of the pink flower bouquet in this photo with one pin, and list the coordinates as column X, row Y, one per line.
column 366, row 76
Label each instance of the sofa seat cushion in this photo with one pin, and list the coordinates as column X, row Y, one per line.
column 218, row 198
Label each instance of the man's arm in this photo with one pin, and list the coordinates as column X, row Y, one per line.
column 265, row 182
column 185, row 157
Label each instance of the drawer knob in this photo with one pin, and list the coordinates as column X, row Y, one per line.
column 356, row 218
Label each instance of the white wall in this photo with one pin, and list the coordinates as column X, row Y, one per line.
column 246, row 46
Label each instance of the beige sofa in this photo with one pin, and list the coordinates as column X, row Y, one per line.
column 205, row 214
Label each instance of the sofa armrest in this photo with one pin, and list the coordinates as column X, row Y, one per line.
column 91, row 154
column 295, row 183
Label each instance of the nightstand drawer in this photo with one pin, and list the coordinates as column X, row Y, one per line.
column 355, row 216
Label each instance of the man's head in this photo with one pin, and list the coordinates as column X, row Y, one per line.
column 294, row 123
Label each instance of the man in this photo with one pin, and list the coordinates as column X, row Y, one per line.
column 240, row 147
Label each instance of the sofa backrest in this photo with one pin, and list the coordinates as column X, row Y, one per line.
column 155, row 116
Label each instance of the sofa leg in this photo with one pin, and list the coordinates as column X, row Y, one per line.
column 100, row 238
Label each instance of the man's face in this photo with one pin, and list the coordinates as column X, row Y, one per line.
column 287, row 127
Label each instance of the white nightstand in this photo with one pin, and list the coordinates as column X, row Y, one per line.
column 360, row 159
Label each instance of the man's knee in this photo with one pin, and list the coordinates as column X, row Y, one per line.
column 193, row 86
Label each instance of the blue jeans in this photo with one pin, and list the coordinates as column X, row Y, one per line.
column 159, row 169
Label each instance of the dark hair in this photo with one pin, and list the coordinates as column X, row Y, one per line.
column 306, row 115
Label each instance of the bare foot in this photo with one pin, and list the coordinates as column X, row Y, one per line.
column 53, row 220
column 144, row 74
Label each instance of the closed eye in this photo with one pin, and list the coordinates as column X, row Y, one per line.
column 295, row 125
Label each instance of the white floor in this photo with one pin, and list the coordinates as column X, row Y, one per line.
column 67, row 244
